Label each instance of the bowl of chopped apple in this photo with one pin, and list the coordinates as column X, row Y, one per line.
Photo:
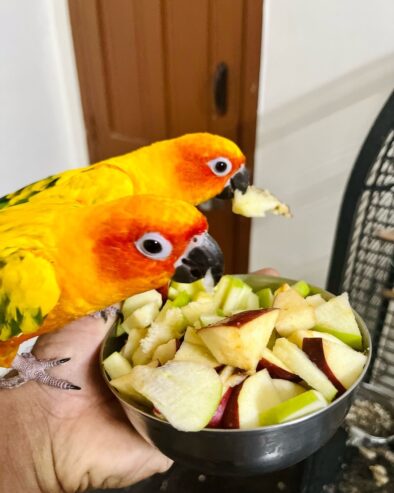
column 247, row 377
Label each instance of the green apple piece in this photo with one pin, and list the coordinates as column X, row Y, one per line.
column 116, row 365
column 187, row 394
column 303, row 404
column 119, row 329
column 238, row 340
column 286, row 389
column 124, row 385
column 293, row 357
column 252, row 302
column 141, row 317
column 221, row 289
column 181, row 299
column 237, row 296
column 302, row 288
column 195, row 309
column 295, row 313
column 133, row 340
column 139, row 300
column 315, row 300
column 254, row 395
column 196, row 353
column 299, row 335
column 165, row 352
column 336, row 317
column 256, row 202
column 266, row 297
column 170, row 326
column 203, row 296
column 189, row 288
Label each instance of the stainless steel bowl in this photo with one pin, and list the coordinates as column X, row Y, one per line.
column 242, row 452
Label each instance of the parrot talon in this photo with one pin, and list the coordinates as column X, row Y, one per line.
column 31, row 368
column 110, row 311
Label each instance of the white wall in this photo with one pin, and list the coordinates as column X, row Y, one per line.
column 328, row 67
column 41, row 124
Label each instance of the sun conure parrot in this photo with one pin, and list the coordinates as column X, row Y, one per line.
column 194, row 168
column 64, row 261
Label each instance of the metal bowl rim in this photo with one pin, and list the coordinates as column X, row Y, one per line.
column 273, row 279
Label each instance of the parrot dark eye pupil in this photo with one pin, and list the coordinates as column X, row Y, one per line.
column 220, row 166
column 152, row 246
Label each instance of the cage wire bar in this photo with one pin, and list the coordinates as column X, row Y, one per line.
column 363, row 258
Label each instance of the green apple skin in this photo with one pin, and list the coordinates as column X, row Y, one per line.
column 296, row 407
column 266, row 297
column 302, row 288
column 353, row 340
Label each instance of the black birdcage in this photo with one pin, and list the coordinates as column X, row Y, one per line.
column 363, row 258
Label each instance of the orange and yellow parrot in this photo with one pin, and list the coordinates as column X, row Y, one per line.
column 64, row 261
column 194, row 168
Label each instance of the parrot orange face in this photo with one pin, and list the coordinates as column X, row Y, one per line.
column 207, row 165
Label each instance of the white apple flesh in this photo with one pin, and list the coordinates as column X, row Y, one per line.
column 238, row 341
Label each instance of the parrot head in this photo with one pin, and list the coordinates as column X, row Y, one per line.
column 142, row 242
column 208, row 165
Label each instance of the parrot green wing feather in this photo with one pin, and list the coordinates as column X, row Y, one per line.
column 26, row 193
column 28, row 292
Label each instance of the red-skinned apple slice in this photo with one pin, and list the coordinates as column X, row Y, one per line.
column 276, row 368
column 239, row 340
column 340, row 363
column 217, row 417
column 248, row 399
column 299, row 362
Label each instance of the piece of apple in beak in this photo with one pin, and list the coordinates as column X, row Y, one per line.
column 248, row 399
column 187, row 394
column 342, row 364
column 239, row 340
column 336, row 317
column 299, row 363
column 295, row 313
column 301, row 405
column 276, row 368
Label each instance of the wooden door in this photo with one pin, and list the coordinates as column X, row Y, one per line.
column 147, row 70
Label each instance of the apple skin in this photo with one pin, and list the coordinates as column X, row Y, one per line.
column 216, row 420
column 313, row 347
column 230, row 419
column 277, row 372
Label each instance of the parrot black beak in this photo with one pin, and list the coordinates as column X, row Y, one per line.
column 202, row 254
column 240, row 181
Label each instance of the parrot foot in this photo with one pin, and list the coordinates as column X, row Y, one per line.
column 31, row 368
column 110, row 311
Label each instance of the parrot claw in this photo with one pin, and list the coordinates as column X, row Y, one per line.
column 111, row 311
column 31, row 368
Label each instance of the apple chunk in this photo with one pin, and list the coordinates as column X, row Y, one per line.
column 299, row 335
column 248, row 400
column 299, row 363
column 196, row 353
column 187, row 394
column 295, row 313
column 342, row 364
column 296, row 407
column 287, row 389
column 238, row 340
column 276, row 368
column 337, row 318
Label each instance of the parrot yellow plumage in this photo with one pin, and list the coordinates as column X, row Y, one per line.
column 63, row 261
column 193, row 168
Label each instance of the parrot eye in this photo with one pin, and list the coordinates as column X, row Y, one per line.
column 221, row 166
column 154, row 246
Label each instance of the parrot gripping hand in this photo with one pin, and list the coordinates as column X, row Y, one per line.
column 31, row 368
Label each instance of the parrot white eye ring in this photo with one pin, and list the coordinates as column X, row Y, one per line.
column 221, row 166
column 154, row 246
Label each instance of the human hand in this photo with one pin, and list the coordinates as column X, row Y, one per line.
column 71, row 440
